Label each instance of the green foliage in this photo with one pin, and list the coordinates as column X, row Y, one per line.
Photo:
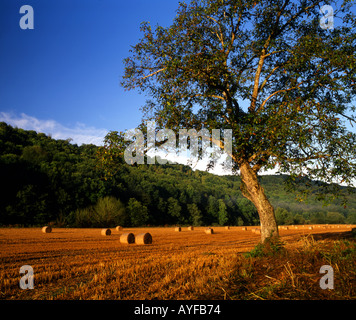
column 195, row 213
column 173, row 208
column 109, row 212
column 283, row 216
column 272, row 246
column 138, row 213
column 223, row 217
column 334, row 218
column 49, row 180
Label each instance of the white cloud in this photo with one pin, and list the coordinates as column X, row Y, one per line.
column 80, row 133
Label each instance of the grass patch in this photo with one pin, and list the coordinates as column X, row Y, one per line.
column 271, row 247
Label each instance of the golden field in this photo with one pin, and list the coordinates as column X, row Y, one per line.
column 83, row 264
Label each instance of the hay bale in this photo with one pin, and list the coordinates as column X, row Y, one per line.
column 178, row 229
column 127, row 238
column 143, row 238
column 47, row 229
column 190, row 228
column 256, row 230
column 209, row 231
column 310, row 228
column 118, row 228
column 244, row 228
column 227, row 228
column 105, row 232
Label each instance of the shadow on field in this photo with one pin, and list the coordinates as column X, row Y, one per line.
column 333, row 235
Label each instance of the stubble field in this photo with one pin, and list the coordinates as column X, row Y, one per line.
column 82, row 264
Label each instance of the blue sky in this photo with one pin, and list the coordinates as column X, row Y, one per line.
column 63, row 76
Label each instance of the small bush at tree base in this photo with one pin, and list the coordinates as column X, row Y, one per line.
column 271, row 247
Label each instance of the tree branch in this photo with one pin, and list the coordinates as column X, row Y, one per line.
column 153, row 73
column 279, row 91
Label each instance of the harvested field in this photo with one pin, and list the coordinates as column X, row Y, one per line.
column 82, row 264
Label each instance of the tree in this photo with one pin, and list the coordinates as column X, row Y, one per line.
column 174, row 209
column 223, row 217
column 138, row 212
column 334, row 218
column 351, row 219
column 268, row 71
column 298, row 219
column 195, row 214
column 212, row 207
column 110, row 211
column 283, row 216
column 318, row 218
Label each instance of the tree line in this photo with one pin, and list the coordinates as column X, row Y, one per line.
column 54, row 181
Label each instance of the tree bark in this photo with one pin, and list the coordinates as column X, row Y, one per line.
column 252, row 190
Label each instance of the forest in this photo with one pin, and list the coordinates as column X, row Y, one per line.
column 48, row 181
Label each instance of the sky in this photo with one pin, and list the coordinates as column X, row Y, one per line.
column 63, row 77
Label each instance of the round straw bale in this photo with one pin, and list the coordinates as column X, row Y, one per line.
column 143, row 238
column 256, row 230
column 209, row 231
column 105, row 232
column 178, row 229
column 190, row 228
column 118, row 228
column 127, row 238
column 47, row 229
column 244, row 229
column 227, row 228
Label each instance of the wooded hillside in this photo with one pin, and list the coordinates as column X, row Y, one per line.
column 45, row 180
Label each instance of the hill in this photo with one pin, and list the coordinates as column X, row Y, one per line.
column 46, row 180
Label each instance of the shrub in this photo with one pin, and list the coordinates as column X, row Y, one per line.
column 107, row 211
column 271, row 247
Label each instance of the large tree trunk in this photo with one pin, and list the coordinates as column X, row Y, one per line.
column 252, row 190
